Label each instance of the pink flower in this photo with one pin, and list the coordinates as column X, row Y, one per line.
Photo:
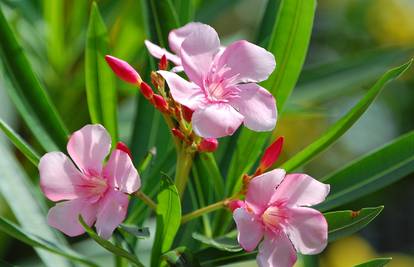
column 223, row 92
column 276, row 210
column 97, row 192
column 175, row 39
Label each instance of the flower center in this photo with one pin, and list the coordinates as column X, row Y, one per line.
column 273, row 217
column 219, row 88
column 95, row 188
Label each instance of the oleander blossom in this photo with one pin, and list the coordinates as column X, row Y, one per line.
column 96, row 192
column 276, row 210
column 223, row 92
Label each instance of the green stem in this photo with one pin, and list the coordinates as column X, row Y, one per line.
column 183, row 167
column 147, row 200
column 197, row 213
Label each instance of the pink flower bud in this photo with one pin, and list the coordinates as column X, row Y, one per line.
column 121, row 146
column 176, row 132
column 163, row 65
column 271, row 155
column 123, row 70
column 160, row 103
column 146, row 90
column 208, row 145
column 187, row 113
column 235, row 204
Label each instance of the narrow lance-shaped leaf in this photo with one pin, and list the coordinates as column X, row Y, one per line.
column 289, row 43
column 342, row 125
column 371, row 172
column 379, row 262
column 28, row 95
column 100, row 84
column 168, row 219
column 109, row 246
column 39, row 242
column 20, row 144
column 30, row 212
column 347, row 222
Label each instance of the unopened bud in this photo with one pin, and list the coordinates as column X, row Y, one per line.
column 271, row 155
column 208, row 145
column 160, row 103
column 121, row 146
column 235, row 204
column 163, row 64
column 146, row 90
column 187, row 113
column 123, row 70
column 177, row 133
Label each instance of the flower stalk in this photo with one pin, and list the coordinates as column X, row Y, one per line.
column 210, row 208
column 146, row 199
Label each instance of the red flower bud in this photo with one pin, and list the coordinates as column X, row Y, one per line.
column 123, row 70
column 235, row 204
column 176, row 132
column 208, row 145
column 121, row 146
column 187, row 113
column 146, row 90
column 160, row 103
column 271, row 155
column 163, row 64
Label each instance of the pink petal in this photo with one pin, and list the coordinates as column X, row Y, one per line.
column 198, row 51
column 59, row 178
column 262, row 188
column 249, row 62
column 258, row 107
column 184, row 92
column 177, row 36
column 216, row 120
column 112, row 211
column 158, row 52
column 88, row 147
column 121, row 173
column 250, row 231
column 65, row 216
column 276, row 251
column 308, row 230
column 302, row 190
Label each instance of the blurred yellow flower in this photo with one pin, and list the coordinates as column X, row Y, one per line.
column 391, row 22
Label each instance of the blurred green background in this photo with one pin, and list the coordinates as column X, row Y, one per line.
column 353, row 42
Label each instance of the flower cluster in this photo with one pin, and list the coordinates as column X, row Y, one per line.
column 220, row 92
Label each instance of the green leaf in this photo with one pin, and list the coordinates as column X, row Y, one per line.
column 20, row 144
column 371, row 172
column 109, row 246
column 39, row 242
column 181, row 257
column 268, row 20
column 379, row 262
column 136, row 231
column 289, row 43
column 100, row 84
column 54, row 16
column 291, row 33
column 168, row 219
column 28, row 95
column 185, row 10
column 30, row 211
column 342, row 125
column 211, row 257
column 347, row 222
column 227, row 243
